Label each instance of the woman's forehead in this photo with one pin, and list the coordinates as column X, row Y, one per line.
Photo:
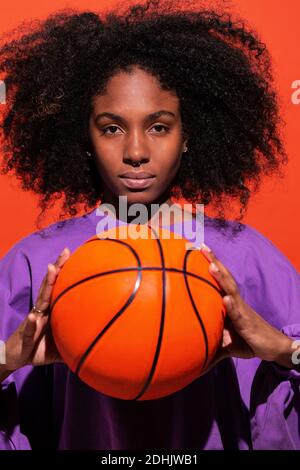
column 134, row 98
column 135, row 89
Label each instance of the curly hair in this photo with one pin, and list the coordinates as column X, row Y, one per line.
column 218, row 67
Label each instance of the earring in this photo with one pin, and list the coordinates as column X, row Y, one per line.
column 88, row 153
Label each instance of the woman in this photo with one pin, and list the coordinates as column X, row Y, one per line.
column 187, row 97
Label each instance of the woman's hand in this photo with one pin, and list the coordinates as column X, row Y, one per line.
column 32, row 342
column 246, row 334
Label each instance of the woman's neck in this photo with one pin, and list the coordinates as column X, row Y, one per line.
column 163, row 213
column 119, row 208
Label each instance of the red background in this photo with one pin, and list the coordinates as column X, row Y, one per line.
column 274, row 210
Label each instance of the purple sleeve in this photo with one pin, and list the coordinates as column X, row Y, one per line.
column 275, row 403
column 15, row 298
column 273, row 290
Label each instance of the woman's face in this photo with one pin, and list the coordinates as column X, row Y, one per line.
column 136, row 127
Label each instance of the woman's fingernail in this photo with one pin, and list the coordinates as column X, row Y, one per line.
column 205, row 247
column 63, row 252
column 214, row 268
column 228, row 300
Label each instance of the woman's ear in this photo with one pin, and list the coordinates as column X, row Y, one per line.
column 185, row 138
column 185, row 148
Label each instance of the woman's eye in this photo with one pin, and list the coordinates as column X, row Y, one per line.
column 161, row 128
column 110, row 127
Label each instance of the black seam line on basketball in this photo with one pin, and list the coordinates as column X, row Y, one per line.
column 109, row 324
column 195, row 308
column 98, row 274
column 162, row 322
column 121, row 270
column 118, row 314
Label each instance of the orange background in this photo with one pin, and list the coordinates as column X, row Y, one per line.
column 274, row 211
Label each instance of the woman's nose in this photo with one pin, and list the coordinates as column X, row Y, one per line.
column 135, row 161
column 136, row 153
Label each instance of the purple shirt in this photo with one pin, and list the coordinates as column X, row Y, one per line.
column 239, row 404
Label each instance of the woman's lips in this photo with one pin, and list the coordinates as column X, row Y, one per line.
column 140, row 183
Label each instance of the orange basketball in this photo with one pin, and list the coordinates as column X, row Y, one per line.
column 137, row 319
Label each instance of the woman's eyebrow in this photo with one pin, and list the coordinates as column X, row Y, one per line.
column 151, row 116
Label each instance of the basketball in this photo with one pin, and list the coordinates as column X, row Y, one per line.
column 137, row 318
